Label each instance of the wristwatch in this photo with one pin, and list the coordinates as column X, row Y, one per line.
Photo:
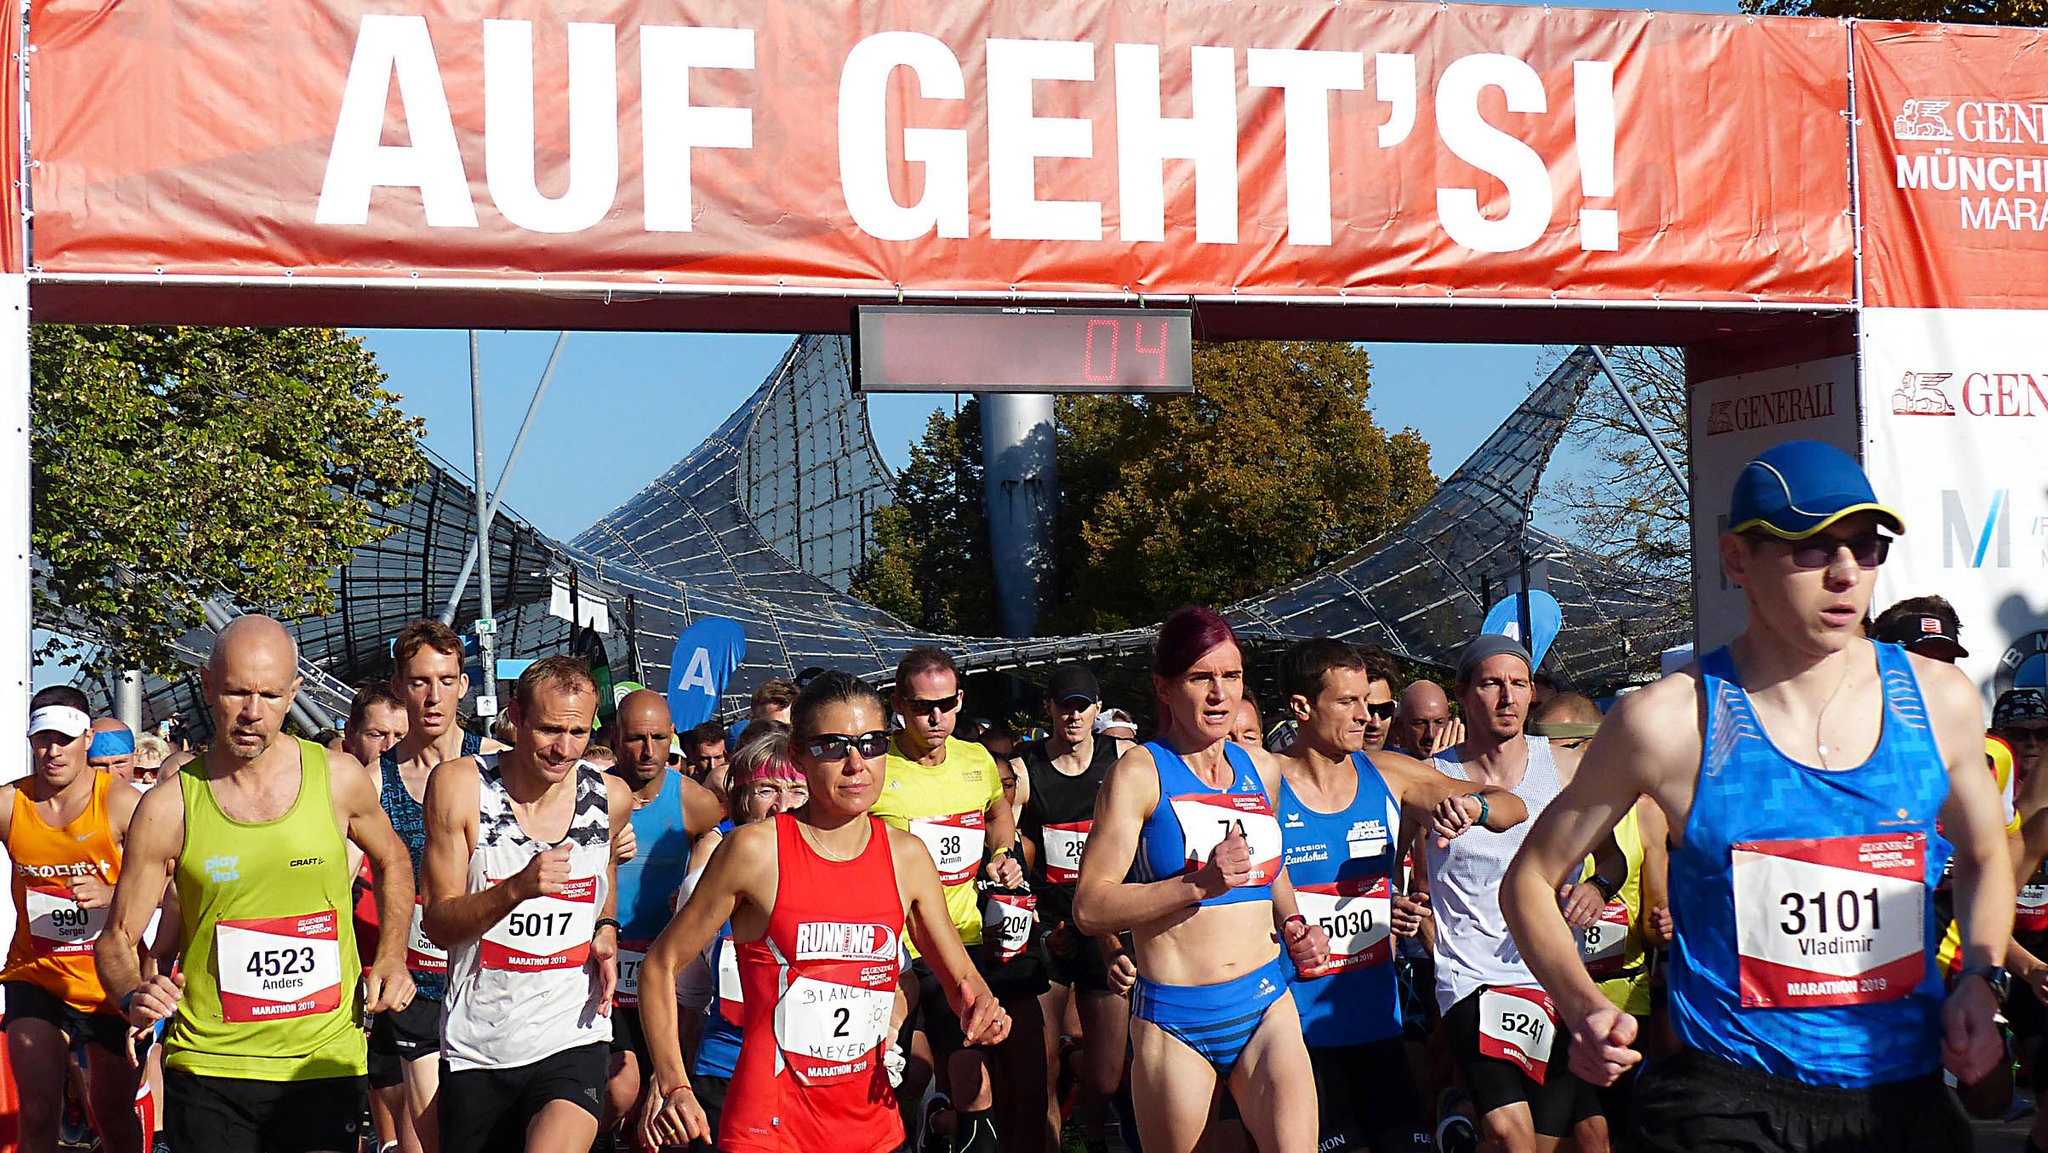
column 1995, row 976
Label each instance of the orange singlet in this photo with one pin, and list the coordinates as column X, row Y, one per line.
column 818, row 989
column 53, row 937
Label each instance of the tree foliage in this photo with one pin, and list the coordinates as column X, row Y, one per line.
column 171, row 465
column 1274, row 468
column 2028, row 13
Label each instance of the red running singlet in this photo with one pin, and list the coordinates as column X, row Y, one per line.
column 818, row 989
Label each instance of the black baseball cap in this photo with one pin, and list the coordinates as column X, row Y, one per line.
column 1073, row 682
column 1930, row 634
column 2019, row 706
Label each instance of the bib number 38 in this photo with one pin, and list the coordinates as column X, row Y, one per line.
column 1830, row 921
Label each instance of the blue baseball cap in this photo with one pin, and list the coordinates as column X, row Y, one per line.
column 1795, row 489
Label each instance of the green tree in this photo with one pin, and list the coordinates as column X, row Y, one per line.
column 1274, row 468
column 171, row 465
column 2028, row 13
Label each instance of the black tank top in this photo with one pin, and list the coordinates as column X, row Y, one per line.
column 1068, row 805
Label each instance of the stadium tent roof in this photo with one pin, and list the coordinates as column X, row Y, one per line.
column 765, row 521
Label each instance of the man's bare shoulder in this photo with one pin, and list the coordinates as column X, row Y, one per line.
column 1657, row 723
column 455, row 781
column 1949, row 692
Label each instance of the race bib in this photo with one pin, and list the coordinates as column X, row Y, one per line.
column 278, row 967
column 1518, row 1026
column 731, row 1001
column 830, row 1032
column 627, row 992
column 1206, row 818
column 1062, row 845
column 545, row 932
column 58, row 926
column 954, row 842
column 2031, row 913
column 1603, row 945
column 1830, row 921
column 422, row 955
column 1008, row 920
column 1356, row 913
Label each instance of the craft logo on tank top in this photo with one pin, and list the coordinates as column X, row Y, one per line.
column 845, row 941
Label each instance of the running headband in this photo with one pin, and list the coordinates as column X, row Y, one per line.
column 772, row 769
column 1563, row 730
column 61, row 718
column 111, row 743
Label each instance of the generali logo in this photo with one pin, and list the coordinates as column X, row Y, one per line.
column 1921, row 120
column 2006, row 395
column 1771, row 407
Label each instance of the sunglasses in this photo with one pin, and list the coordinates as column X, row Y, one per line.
column 1383, row 711
column 2015, row 735
column 1819, row 550
column 919, row 708
column 835, row 746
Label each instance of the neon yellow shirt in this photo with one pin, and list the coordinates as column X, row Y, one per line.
column 946, row 806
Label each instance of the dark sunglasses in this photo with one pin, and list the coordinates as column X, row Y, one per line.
column 935, row 705
column 1383, row 711
column 834, row 746
column 1819, row 550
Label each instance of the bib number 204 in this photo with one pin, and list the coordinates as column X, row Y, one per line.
column 1809, row 912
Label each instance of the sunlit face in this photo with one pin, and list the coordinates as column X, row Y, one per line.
column 432, row 684
column 1421, row 722
column 1071, row 721
column 767, row 796
column 1815, row 610
column 929, row 703
column 1335, row 722
column 1203, row 701
column 250, row 693
column 383, row 726
column 1379, row 715
column 1497, row 699
column 58, row 760
column 842, row 786
column 552, row 734
column 642, row 738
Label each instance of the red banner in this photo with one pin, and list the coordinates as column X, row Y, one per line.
column 1952, row 152
column 1287, row 149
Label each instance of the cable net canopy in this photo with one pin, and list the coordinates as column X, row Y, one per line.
column 766, row 520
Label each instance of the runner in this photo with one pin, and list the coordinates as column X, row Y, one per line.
column 1802, row 769
column 708, row 992
column 265, row 1045
column 376, row 722
column 1500, row 1027
column 428, row 681
column 947, row 793
column 1188, row 820
column 1340, row 819
column 1062, row 774
column 669, row 811
column 1246, row 727
column 819, row 901
column 1379, row 699
column 1422, row 721
column 521, row 892
column 113, row 749
column 64, row 827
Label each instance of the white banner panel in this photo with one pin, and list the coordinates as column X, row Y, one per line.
column 1956, row 430
column 1732, row 419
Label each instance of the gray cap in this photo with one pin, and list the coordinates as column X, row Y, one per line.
column 1485, row 646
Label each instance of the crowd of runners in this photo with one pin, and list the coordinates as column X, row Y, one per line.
column 1767, row 902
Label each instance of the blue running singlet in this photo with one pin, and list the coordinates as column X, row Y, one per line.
column 1342, row 865
column 1804, row 896
column 1192, row 818
column 427, row 961
column 649, row 881
column 718, row 1049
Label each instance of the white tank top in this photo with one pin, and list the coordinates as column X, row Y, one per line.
column 523, row 991
column 1472, row 943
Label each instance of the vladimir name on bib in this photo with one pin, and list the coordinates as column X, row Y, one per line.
column 1207, row 818
column 954, row 843
column 1355, row 912
column 544, row 932
column 58, row 926
column 277, row 967
column 1830, row 921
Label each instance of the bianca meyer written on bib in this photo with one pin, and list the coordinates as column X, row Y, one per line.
column 833, row 1010
column 1830, row 921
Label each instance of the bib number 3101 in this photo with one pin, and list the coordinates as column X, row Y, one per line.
column 1830, row 921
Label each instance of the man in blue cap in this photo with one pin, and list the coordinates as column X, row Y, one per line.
column 1802, row 768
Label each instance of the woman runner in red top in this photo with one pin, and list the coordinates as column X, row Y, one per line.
column 819, row 901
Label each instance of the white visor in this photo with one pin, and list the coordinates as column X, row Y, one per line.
column 62, row 718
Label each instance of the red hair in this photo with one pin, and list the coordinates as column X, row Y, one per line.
column 1185, row 636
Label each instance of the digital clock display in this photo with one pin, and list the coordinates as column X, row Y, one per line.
column 1019, row 348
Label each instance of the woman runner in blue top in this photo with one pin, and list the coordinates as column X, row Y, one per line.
column 1803, row 769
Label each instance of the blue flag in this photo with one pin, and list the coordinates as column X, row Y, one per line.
column 704, row 659
column 1546, row 618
